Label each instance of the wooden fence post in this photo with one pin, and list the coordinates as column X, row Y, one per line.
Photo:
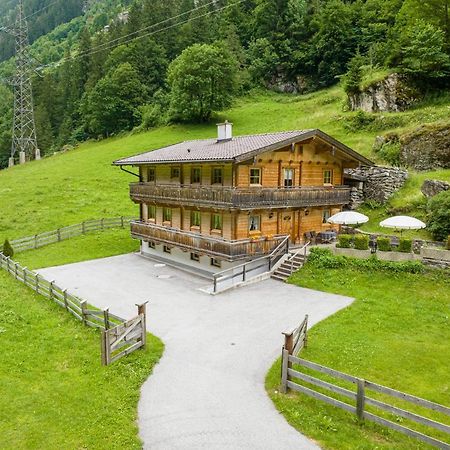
column 83, row 311
column 142, row 311
column 284, row 370
column 106, row 318
column 35, row 240
column 105, row 348
column 101, row 224
column 305, row 341
column 121, row 221
column 16, row 270
column 51, row 289
column 25, row 275
column 360, row 399
column 36, row 282
column 66, row 304
column 58, row 232
column 82, row 228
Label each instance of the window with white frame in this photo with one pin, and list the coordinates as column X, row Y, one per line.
column 255, row 175
column 328, row 176
column 326, row 214
column 254, row 223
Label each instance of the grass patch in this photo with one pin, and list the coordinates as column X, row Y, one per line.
column 55, row 393
column 396, row 333
column 81, row 248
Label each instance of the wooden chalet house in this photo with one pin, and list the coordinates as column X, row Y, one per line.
column 215, row 203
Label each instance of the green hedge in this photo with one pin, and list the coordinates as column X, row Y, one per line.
column 384, row 244
column 7, row 249
column 344, row 241
column 362, row 242
column 322, row 258
column 405, row 245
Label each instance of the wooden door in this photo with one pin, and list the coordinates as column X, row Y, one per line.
column 286, row 221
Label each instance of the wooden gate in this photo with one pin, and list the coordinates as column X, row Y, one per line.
column 124, row 338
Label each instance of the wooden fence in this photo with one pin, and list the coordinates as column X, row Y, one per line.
column 61, row 234
column 293, row 377
column 124, row 338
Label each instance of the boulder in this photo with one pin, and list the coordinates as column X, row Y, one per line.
column 389, row 95
column 432, row 187
column 427, row 147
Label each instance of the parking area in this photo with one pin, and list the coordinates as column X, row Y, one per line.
column 208, row 390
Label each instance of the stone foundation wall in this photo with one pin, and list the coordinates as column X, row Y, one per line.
column 381, row 182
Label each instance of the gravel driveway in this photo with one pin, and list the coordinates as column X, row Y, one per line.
column 208, row 390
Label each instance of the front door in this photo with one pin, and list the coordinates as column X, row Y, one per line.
column 286, row 221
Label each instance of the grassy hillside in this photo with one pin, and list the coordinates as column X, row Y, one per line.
column 81, row 184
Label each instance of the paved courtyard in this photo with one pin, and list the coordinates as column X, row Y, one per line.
column 207, row 392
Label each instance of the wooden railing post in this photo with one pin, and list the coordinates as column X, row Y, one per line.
column 106, row 318
column 16, row 270
column 58, row 232
column 142, row 311
column 24, row 275
column 215, row 285
column 36, row 282
column 121, row 221
column 360, row 399
column 35, row 240
column 83, row 227
column 51, row 289
column 305, row 341
column 284, row 370
column 244, row 272
column 105, row 348
column 83, row 311
column 66, row 304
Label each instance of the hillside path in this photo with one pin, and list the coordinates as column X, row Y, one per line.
column 207, row 392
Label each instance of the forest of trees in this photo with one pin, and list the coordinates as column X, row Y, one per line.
column 110, row 82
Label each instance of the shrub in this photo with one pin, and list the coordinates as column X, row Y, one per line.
column 324, row 259
column 405, row 245
column 448, row 242
column 344, row 241
column 439, row 215
column 7, row 249
column 384, row 244
column 361, row 242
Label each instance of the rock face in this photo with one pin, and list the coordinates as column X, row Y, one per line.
column 432, row 187
column 426, row 148
column 380, row 182
column 390, row 94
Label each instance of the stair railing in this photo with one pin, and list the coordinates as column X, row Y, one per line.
column 301, row 249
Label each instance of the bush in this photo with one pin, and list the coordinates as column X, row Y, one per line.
column 344, row 241
column 323, row 259
column 439, row 215
column 361, row 242
column 384, row 244
column 7, row 249
column 405, row 245
column 448, row 243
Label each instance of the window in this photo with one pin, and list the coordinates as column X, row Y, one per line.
column 195, row 218
column 167, row 249
column 167, row 215
column 151, row 245
column 216, row 221
column 216, row 262
column 151, row 212
column 216, row 175
column 196, row 175
column 328, row 177
column 288, row 178
column 325, row 215
column 195, row 257
column 175, row 172
column 255, row 176
column 254, row 223
column 151, row 174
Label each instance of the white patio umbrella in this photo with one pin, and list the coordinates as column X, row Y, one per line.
column 403, row 223
column 348, row 218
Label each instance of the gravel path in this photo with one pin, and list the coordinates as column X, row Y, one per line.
column 208, row 390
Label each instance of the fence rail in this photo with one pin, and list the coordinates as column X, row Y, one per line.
column 61, row 234
column 292, row 377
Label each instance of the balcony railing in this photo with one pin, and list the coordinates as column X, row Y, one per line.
column 214, row 247
column 240, row 198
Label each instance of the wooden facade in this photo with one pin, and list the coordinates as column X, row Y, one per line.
column 290, row 190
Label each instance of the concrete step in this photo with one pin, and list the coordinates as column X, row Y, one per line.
column 282, row 271
column 278, row 277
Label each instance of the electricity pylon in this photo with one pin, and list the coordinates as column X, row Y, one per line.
column 24, row 128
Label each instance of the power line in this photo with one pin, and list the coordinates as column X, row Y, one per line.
column 97, row 49
column 42, row 9
column 151, row 26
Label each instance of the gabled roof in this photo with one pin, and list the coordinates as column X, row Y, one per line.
column 240, row 148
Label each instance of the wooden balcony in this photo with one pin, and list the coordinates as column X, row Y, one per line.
column 240, row 198
column 207, row 245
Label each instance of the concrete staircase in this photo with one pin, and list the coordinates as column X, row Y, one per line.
column 289, row 265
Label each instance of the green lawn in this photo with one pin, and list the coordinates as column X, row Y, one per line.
column 81, row 248
column 396, row 333
column 54, row 392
